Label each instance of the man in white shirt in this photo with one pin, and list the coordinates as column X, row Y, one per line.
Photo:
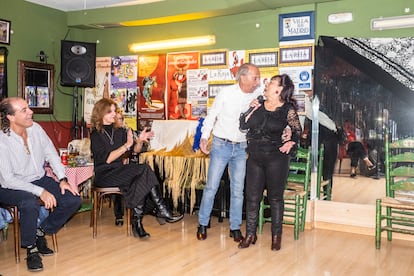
column 228, row 147
column 25, row 147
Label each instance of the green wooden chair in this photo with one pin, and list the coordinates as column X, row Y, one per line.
column 323, row 186
column 295, row 196
column 397, row 208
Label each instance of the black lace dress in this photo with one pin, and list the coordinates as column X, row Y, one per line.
column 267, row 167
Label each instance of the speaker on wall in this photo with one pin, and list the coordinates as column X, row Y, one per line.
column 78, row 63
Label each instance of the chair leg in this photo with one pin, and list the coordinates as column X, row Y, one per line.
column 95, row 213
column 389, row 223
column 16, row 230
column 261, row 217
column 378, row 225
column 297, row 221
column 128, row 221
column 54, row 241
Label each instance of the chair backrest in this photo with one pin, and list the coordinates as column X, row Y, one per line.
column 300, row 170
column 399, row 168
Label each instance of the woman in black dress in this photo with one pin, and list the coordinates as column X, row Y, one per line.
column 136, row 181
column 269, row 157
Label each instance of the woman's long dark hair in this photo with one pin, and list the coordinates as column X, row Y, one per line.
column 288, row 89
column 101, row 107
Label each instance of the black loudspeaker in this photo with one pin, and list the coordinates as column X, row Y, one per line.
column 78, row 61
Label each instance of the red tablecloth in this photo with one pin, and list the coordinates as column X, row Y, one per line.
column 75, row 175
column 78, row 175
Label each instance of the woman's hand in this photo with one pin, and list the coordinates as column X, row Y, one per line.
column 255, row 104
column 146, row 135
column 130, row 138
column 286, row 147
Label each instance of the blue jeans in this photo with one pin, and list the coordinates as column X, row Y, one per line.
column 222, row 154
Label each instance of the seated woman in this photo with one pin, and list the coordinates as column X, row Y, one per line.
column 136, row 181
column 356, row 150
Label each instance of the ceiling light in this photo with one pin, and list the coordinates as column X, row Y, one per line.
column 396, row 22
column 173, row 43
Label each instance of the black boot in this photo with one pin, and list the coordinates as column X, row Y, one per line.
column 163, row 211
column 151, row 209
column 137, row 227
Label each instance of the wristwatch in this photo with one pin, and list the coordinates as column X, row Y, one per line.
column 63, row 179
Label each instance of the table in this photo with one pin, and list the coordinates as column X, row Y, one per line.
column 76, row 175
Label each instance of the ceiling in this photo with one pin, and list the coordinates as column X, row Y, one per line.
column 151, row 12
column 77, row 5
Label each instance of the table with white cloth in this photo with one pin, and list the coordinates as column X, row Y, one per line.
column 181, row 169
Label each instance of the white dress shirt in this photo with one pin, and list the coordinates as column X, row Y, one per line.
column 323, row 118
column 18, row 167
column 223, row 117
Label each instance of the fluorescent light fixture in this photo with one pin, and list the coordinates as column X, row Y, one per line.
column 395, row 22
column 338, row 18
column 173, row 43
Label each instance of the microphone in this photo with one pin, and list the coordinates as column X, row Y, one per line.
column 261, row 99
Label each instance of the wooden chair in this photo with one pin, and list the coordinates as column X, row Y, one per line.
column 399, row 201
column 98, row 194
column 295, row 196
column 324, row 187
column 14, row 211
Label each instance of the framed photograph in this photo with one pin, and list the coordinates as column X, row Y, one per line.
column 296, row 54
column 35, row 85
column 296, row 26
column 5, row 31
column 266, row 59
column 213, row 58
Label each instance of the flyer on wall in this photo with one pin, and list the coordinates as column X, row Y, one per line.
column 151, row 87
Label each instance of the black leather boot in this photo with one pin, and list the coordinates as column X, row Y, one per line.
column 137, row 227
column 163, row 211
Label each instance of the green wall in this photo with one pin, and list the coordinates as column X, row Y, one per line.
column 38, row 28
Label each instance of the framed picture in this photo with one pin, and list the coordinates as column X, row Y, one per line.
column 5, row 31
column 296, row 26
column 213, row 58
column 296, row 54
column 35, row 85
column 266, row 59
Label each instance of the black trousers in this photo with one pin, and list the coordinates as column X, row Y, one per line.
column 266, row 170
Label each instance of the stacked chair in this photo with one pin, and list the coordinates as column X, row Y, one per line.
column 323, row 187
column 395, row 212
column 296, row 194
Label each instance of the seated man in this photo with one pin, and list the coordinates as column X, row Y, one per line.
column 25, row 147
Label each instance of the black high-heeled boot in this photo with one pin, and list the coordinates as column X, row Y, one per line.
column 137, row 227
column 163, row 211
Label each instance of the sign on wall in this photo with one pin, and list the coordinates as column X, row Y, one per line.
column 296, row 26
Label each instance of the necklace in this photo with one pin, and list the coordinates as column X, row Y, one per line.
column 111, row 138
